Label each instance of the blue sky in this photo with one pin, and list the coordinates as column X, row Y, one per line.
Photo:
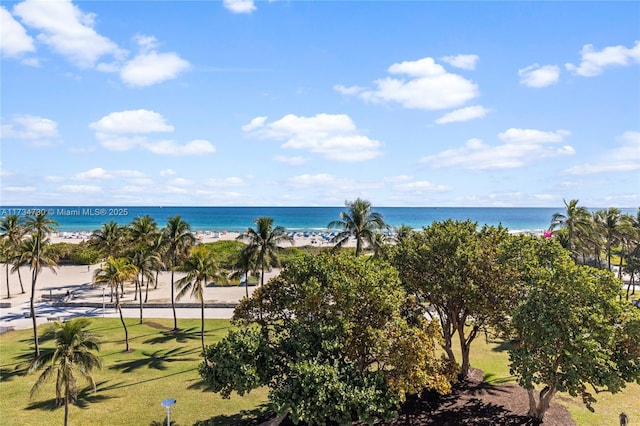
column 313, row 103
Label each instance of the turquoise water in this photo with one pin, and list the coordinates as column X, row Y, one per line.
column 88, row 218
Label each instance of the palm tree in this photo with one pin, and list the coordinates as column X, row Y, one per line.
column 114, row 272
column 5, row 257
column 178, row 237
column 609, row 223
column 200, row 268
column 243, row 265
column 73, row 352
column 359, row 221
column 146, row 261
column 34, row 253
column 263, row 243
column 109, row 239
column 13, row 230
column 576, row 219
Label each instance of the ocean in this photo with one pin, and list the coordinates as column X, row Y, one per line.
column 238, row 219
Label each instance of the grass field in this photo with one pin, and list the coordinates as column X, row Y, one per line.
column 165, row 365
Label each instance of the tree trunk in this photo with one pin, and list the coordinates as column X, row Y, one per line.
column 32, row 310
column 246, row 284
column 8, row 291
column 173, row 303
column 155, row 287
column 146, row 291
column 202, row 323
column 124, row 325
column 20, row 279
column 66, row 405
column 539, row 409
column 140, row 290
column 465, row 348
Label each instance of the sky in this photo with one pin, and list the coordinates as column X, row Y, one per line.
column 314, row 103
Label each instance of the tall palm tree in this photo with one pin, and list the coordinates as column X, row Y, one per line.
column 34, row 254
column 73, row 352
column 109, row 239
column 179, row 239
column 115, row 272
column 146, row 261
column 13, row 231
column 143, row 234
column 263, row 242
column 576, row 219
column 244, row 264
column 5, row 257
column 359, row 221
column 200, row 268
column 609, row 221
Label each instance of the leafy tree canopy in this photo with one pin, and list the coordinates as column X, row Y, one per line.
column 337, row 341
column 571, row 333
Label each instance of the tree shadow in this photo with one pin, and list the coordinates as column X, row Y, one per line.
column 252, row 417
column 86, row 396
column 123, row 384
column 180, row 336
column 8, row 374
column 502, row 346
column 156, row 360
column 199, row 384
column 492, row 379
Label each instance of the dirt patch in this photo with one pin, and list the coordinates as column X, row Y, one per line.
column 157, row 326
column 475, row 402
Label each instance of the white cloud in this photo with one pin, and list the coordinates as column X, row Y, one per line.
column 463, row 114
column 226, row 182
column 168, row 147
column 167, row 172
column 539, row 76
column 623, row 158
column 19, row 188
column 79, row 188
column 594, row 62
column 514, row 135
column 466, row 62
column 40, row 131
column 67, row 30
column 254, row 124
column 292, row 161
column 147, row 69
column 353, row 90
column 334, row 136
column 14, row 40
column 102, row 174
column 420, row 186
column 239, row 6
column 521, row 147
column 428, row 86
column 134, row 121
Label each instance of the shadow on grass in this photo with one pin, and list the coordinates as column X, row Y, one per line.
column 180, row 336
column 502, row 346
column 199, row 384
column 126, row 385
column 256, row 416
column 492, row 379
column 157, row 360
column 8, row 374
column 86, row 396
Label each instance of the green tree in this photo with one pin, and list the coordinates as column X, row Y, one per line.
column 610, row 222
column 358, row 221
column 13, row 230
column 244, row 264
column 263, row 242
column 577, row 220
column 200, row 268
column 115, row 272
column 571, row 332
column 339, row 344
column 73, row 352
column 110, row 241
column 34, row 253
column 179, row 239
column 461, row 275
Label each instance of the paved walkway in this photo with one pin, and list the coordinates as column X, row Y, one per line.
column 73, row 284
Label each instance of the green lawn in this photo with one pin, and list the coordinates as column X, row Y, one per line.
column 162, row 365
column 130, row 385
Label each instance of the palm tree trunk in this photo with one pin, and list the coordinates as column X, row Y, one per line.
column 32, row 310
column 246, row 283
column 155, row 287
column 173, row 303
column 66, row 405
column 202, row 323
column 20, row 279
column 146, row 292
column 140, row 290
column 7, row 271
column 124, row 325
